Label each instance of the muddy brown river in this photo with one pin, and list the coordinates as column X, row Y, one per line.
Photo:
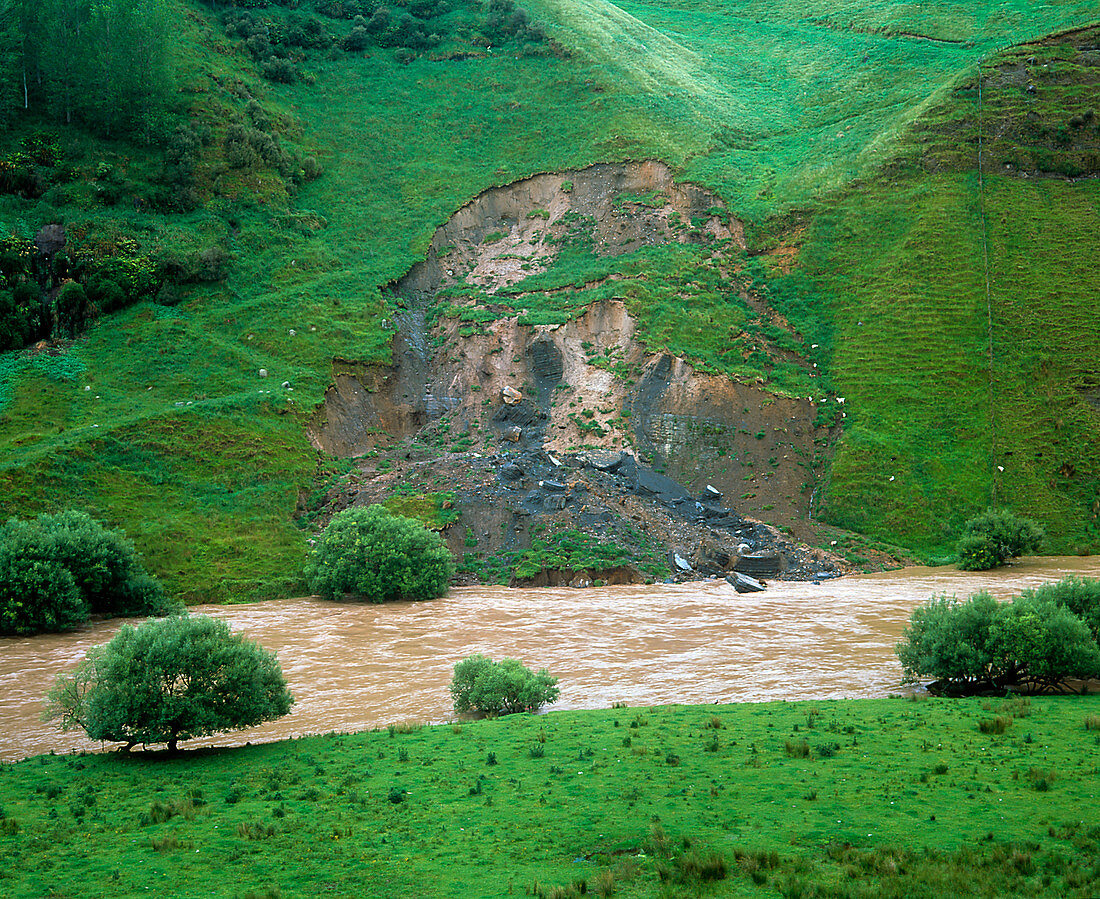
column 353, row 667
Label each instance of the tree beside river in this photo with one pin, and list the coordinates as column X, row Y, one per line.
column 1042, row 640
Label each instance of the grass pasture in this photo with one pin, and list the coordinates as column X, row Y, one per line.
column 856, row 798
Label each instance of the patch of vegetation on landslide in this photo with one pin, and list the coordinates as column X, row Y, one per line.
column 571, row 552
column 876, row 797
column 687, row 299
column 955, row 404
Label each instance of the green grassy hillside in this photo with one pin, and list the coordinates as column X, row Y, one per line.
column 844, row 130
column 860, row 798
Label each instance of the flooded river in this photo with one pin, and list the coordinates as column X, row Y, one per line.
column 352, row 667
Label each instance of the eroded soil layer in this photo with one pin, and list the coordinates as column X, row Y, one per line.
column 496, row 412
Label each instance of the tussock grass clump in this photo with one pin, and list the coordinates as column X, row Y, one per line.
column 703, row 868
column 161, row 812
column 797, row 749
column 996, row 725
column 1041, row 779
column 255, row 830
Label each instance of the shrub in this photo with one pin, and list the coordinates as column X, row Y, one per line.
column 948, row 640
column 37, row 594
column 170, row 680
column 57, row 569
column 990, row 539
column 380, row 557
column 1080, row 595
column 500, row 688
column 979, row 643
column 1034, row 640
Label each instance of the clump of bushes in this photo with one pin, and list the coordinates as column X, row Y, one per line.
column 1040, row 639
column 377, row 556
column 994, row 537
column 500, row 688
column 59, row 569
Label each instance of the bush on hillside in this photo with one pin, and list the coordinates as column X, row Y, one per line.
column 980, row 644
column 58, row 569
column 500, row 688
column 170, row 680
column 380, row 557
column 990, row 539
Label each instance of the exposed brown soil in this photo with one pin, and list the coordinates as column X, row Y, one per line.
column 509, row 233
column 463, row 412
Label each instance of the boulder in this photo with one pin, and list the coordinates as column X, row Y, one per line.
column 602, row 460
column 511, row 396
column 50, row 239
column 512, row 433
column 510, row 472
column 763, row 564
column 742, row 583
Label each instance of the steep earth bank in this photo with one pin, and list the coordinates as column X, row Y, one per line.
column 541, row 429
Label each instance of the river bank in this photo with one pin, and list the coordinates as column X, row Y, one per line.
column 858, row 797
column 353, row 667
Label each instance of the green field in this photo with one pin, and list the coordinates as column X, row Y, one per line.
column 845, row 132
column 855, row 798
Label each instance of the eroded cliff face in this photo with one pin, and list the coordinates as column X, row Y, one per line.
column 508, row 394
column 509, row 233
column 524, row 387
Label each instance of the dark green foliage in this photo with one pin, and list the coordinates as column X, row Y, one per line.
column 380, row 557
column 979, row 644
column 500, row 688
column 1080, row 595
column 37, row 593
column 948, row 640
column 993, row 537
column 59, row 568
column 170, row 680
column 1034, row 641
column 102, row 64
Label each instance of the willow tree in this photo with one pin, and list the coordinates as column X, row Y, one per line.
column 170, row 680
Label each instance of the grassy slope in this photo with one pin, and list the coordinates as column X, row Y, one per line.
column 955, row 405
column 878, row 816
column 772, row 106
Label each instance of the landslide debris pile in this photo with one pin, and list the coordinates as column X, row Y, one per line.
column 501, row 385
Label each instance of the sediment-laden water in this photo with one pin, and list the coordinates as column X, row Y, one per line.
column 353, row 667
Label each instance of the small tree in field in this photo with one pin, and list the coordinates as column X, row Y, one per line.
column 1036, row 642
column 980, row 644
column 379, row 556
column 171, row 680
column 500, row 688
column 994, row 537
column 1080, row 595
